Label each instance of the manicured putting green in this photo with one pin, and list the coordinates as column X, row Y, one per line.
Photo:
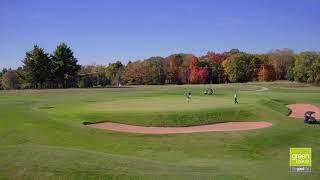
column 172, row 103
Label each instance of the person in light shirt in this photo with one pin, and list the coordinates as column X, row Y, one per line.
column 235, row 98
column 188, row 97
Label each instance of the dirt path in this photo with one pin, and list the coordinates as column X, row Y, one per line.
column 229, row 126
column 298, row 110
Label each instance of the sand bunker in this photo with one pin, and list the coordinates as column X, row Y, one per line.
column 298, row 110
column 229, row 126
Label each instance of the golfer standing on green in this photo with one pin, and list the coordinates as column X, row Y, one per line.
column 189, row 97
column 235, row 98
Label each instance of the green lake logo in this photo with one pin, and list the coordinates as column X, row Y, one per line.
column 300, row 159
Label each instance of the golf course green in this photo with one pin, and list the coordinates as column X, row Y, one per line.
column 42, row 135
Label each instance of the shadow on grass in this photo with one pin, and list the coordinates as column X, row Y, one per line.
column 88, row 123
column 47, row 107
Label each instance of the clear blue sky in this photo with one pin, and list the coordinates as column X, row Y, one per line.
column 102, row 31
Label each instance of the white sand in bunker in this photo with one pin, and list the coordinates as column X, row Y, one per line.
column 298, row 110
column 228, row 126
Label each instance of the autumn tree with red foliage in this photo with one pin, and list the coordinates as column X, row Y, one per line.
column 216, row 58
column 202, row 75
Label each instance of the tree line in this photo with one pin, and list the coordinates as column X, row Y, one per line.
column 61, row 69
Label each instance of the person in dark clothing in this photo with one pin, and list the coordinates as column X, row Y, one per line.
column 235, row 99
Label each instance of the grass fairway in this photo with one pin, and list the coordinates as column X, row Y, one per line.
column 42, row 136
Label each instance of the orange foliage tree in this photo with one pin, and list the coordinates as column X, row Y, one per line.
column 173, row 69
column 194, row 78
column 266, row 73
